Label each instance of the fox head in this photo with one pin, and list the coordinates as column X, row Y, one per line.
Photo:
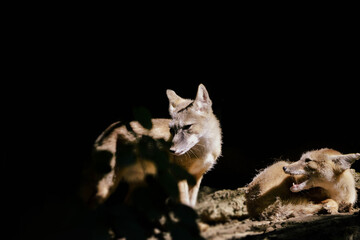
column 188, row 119
column 320, row 167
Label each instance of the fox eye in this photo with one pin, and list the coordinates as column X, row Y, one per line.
column 186, row 127
column 308, row 160
column 172, row 131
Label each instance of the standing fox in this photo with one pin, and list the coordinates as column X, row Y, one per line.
column 320, row 181
column 195, row 136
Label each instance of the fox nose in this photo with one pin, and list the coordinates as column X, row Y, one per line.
column 284, row 168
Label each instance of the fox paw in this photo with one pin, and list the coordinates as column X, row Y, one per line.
column 330, row 206
column 203, row 226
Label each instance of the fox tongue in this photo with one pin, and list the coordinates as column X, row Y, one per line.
column 298, row 187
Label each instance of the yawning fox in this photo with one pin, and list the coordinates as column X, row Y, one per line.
column 320, row 181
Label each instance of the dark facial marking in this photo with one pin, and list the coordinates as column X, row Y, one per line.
column 188, row 106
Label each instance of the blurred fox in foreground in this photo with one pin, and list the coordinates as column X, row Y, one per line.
column 320, row 181
column 194, row 137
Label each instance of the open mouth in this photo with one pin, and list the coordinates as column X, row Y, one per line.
column 298, row 187
column 300, row 182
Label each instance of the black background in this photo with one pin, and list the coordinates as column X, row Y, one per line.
column 262, row 118
column 277, row 92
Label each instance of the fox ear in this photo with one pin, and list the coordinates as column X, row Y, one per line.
column 344, row 161
column 202, row 101
column 174, row 99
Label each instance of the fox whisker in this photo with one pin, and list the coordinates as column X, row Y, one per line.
column 193, row 153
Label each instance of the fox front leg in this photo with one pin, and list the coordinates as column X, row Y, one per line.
column 184, row 192
column 330, row 206
column 193, row 193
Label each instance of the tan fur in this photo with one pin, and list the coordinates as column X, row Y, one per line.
column 195, row 148
column 133, row 174
column 320, row 180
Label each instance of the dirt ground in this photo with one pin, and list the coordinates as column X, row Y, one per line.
column 339, row 226
column 225, row 216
